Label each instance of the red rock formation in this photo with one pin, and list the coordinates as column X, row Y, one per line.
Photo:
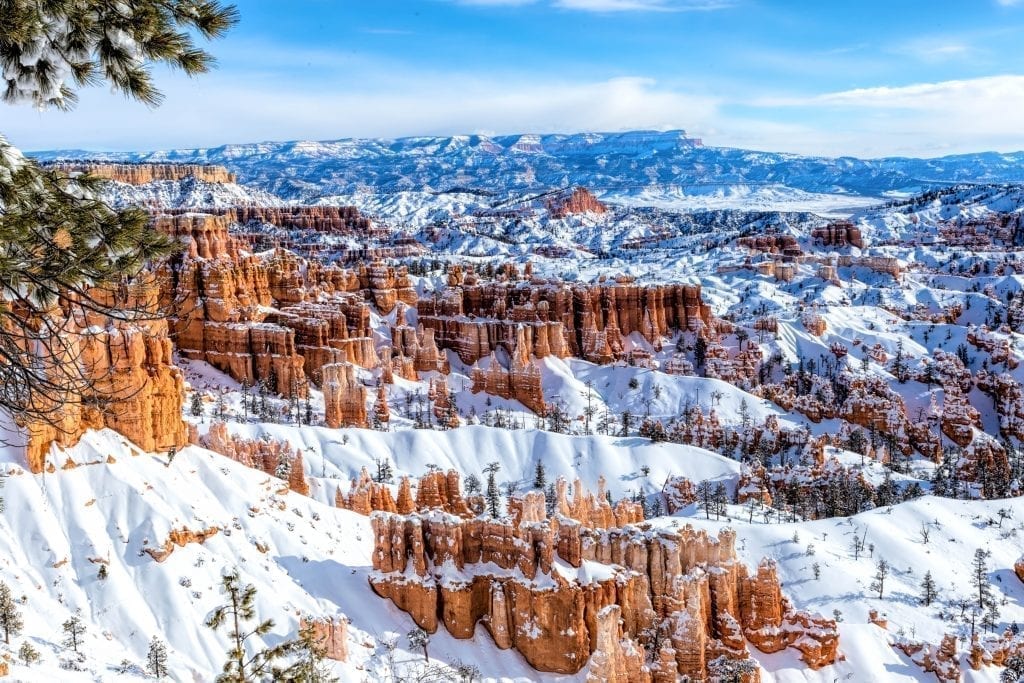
column 943, row 661
column 771, row 244
column 134, row 389
column 381, row 411
column 139, row 174
column 615, row 658
column 1018, row 568
column 334, row 219
column 579, row 201
column 587, row 321
column 330, row 634
column 260, row 454
column 179, row 538
column 813, row 323
column 461, row 570
column 297, row 475
column 344, row 396
column 521, row 381
column 840, row 234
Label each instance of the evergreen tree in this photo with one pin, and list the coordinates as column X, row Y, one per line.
column 700, row 351
column 156, row 658
column 60, row 243
column 720, row 499
column 472, row 485
column 241, row 667
column 196, row 404
column 929, row 591
column 74, row 629
column 418, row 638
column 539, row 476
column 10, row 616
column 878, row 582
column 28, row 654
column 492, row 495
column 310, row 666
column 979, row 577
column 706, row 497
column 284, row 468
column 627, row 423
column 1014, row 671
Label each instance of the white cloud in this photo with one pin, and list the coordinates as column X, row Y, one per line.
column 370, row 99
column 922, row 118
column 213, row 111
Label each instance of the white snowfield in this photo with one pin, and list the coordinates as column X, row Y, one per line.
column 306, row 557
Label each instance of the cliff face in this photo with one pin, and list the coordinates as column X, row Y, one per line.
column 333, row 219
column 134, row 388
column 680, row 595
column 140, row 174
column 580, row 200
column 588, row 321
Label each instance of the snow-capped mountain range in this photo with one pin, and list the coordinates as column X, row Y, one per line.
column 622, row 165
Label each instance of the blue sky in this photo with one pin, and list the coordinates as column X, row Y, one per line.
column 868, row 78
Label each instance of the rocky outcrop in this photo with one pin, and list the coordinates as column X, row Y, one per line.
column 179, row 538
column 943, row 660
column 634, row 587
column 344, row 396
column 615, row 658
column 840, row 234
column 345, row 220
column 521, row 381
column 580, row 200
column 1018, row 568
column 132, row 387
column 330, row 634
column 554, row 318
column 140, row 174
column 276, row 458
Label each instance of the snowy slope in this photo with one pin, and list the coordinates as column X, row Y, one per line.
column 315, row 558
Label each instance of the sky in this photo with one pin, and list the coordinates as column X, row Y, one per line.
column 825, row 77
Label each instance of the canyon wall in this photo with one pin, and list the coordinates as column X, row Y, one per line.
column 679, row 594
column 140, row 174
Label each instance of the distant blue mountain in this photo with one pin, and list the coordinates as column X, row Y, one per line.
column 617, row 162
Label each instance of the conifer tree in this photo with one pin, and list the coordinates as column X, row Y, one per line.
column 311, row 651
column 74, row 629
column 979, row 577
column 878, row 582
column 156, row 658
column 706, row 497
column 28, row 654
column 491, row 494
column 539, row 476
column 10, row 616
column 58, row 243
column 929, row 591
column 242, row 667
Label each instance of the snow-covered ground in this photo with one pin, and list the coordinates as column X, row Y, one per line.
column 306, row 557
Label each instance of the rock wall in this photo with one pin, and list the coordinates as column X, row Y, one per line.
column 332, row 219
column 134, row 388
column 140, row 174
column 580, row 200
column 680, row 595
column 344, row 396
column 841, row 234
column 587, row 321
